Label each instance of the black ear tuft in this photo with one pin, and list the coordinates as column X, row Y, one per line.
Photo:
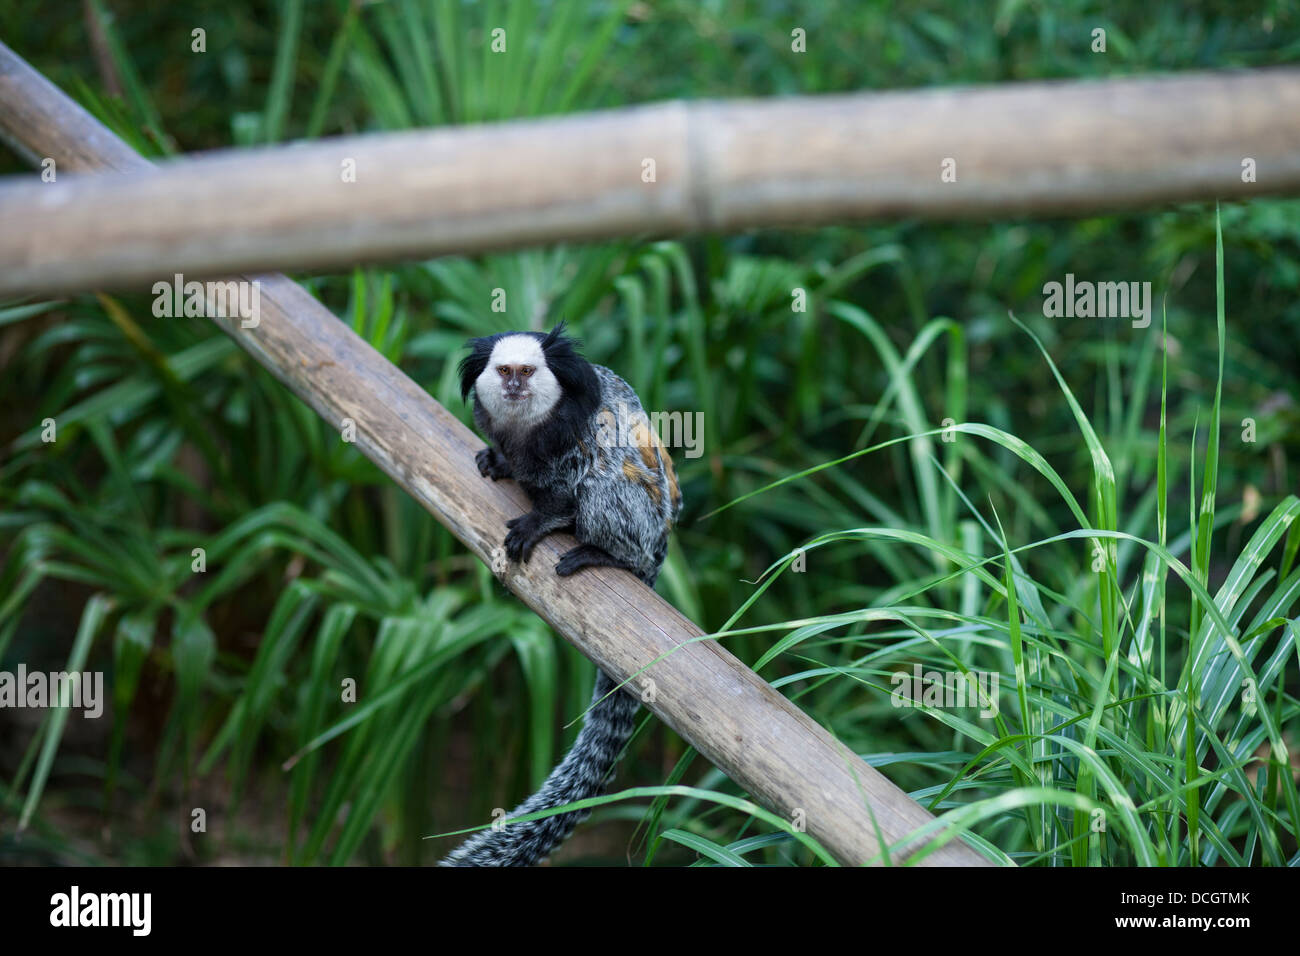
column 571, row 370
column 555, row 335
column 473, row 364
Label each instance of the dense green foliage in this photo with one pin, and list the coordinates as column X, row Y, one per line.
column 1083, row 487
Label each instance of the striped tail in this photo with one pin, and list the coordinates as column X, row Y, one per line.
column 581, row 774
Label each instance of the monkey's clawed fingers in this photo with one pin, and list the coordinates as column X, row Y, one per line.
column 522, row 538
column 491, row 465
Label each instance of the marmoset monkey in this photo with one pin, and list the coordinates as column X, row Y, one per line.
column 575, row 437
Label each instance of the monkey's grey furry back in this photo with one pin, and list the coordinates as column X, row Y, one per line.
column 594, row 467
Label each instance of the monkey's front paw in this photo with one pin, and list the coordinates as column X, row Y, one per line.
column 522, row 538
column 491, row 464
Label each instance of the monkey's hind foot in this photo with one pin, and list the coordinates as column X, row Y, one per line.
column 586, row 556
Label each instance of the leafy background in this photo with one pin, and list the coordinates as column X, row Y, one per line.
column 952, row 554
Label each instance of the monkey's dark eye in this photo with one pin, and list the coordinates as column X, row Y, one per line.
column 526, row 371
column 503, row 370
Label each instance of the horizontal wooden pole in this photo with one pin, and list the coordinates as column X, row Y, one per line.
column 1029, row 149
column 734, row 718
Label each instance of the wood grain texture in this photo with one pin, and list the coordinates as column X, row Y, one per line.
column 1069, row 148
column 734, row 718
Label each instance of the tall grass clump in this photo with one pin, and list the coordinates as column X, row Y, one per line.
column 1144, row 691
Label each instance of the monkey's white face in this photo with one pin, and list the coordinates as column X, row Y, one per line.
column 517, row 388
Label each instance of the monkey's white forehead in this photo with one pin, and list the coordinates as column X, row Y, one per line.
column 517, row 350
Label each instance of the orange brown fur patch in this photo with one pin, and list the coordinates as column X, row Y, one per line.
column 643, row 478
column 645, row 441
column 655, row 456
column 669, row 472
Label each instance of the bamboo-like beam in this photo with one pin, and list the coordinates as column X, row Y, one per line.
column 734, row 718
column 1068, row 148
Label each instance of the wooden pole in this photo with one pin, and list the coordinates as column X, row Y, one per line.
column 1069, row 148
column 734, row 718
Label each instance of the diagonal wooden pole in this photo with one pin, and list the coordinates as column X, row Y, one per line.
column 1062, row 148
column 735, row 719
